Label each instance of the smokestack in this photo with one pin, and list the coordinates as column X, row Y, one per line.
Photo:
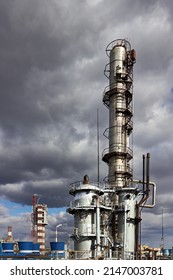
column 10, row 236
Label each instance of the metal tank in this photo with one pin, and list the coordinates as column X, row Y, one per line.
column 90, row 237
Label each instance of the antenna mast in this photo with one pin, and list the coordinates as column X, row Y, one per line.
column 98, row 149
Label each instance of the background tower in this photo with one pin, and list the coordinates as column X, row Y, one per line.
column 38, row 222
column 9, row 235
column 33, row 219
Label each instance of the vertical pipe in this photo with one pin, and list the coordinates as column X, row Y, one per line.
column 146, row 196
column 145, row 193
column 148, row 175
column 97, row 225
column 162, row 235
column 137, row 232
column 139, row 226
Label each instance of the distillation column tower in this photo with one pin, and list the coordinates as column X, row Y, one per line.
column 118, row 98
column 107, row 218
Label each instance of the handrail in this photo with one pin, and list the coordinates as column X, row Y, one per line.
column 118, row 148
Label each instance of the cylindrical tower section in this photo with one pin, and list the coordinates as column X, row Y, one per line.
column 83, row 207
column 126, row 222
column 118, row 98
column 87, row 208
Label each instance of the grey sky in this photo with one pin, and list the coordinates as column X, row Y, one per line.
column 52, row 57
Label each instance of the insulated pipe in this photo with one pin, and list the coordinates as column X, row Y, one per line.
column 137, row 232
column 98, row 224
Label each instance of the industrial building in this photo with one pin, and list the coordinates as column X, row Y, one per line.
column 39, row 219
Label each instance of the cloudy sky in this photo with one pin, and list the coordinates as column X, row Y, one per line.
column 52, row 58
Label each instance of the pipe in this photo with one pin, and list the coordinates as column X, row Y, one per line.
column 60, row 225
column 97, row 199
column 153, row 196
column 148, row 176
column 144, row 206
column 145, row 197
column 97, row 224
column 137, row 232
column 143, row 174
column 141, row 203
column 153, row 184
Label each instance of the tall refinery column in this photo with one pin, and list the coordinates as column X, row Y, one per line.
column 118, row 99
